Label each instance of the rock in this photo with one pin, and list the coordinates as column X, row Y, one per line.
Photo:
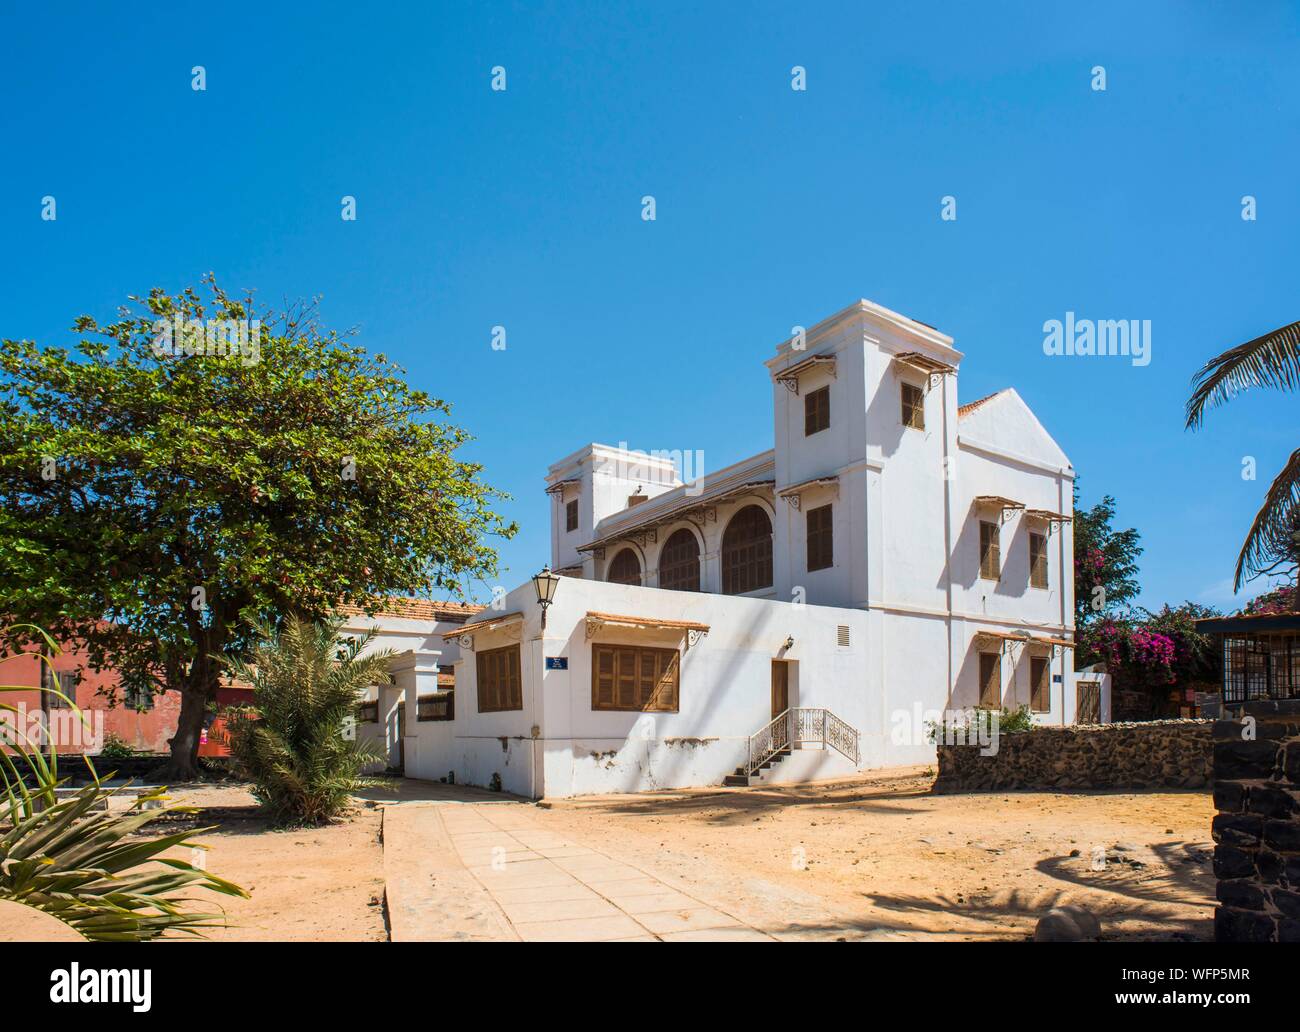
column 1067, row 924
column 20, row 923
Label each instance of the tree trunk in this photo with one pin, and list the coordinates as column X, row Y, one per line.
column 184, row 762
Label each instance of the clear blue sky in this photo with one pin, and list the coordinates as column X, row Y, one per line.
column 775, row 208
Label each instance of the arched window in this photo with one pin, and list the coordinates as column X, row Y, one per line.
column 625, row 569
column 679, row 562
column 747, row 552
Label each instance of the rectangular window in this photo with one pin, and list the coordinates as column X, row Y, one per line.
column 64, row 681
column 1037, row 560
column 991, row 680
column 368, row 712
column 1040, row 698
column 627, row 677
column 138, row 697
column 438, row 706
column 913, row 407
column 816, row 411
column 990, row 551
column 499, row 681
column 571, row 515
column 821, row 547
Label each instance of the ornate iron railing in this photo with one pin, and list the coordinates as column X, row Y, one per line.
column 801, row 726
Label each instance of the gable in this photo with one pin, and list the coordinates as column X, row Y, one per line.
column 1005, row 423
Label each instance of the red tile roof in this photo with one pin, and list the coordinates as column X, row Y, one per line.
column 403, row 608
column 969, row 407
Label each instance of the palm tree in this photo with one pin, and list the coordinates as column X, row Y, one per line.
column 1273, row 360
column 294, row 743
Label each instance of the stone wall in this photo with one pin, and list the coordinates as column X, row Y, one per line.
column 1257, row 828
column 1153, row 754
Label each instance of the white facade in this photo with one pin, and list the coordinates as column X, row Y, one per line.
column 882, row 620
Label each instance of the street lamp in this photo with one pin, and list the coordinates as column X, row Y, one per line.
column 544, row 584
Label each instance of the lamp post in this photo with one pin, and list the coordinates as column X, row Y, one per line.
column 544, row 584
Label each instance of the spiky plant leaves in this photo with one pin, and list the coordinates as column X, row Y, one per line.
column 95, row 870
column 292, row 743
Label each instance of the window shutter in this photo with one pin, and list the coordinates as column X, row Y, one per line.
column 665, row 694
column 821, row 548
column 1041, row 698
column 630, row 678
column 626, row 683
column 1037, row 560
column 500, row 680
column 990, row 551
column 603, row 676
column 990, row 679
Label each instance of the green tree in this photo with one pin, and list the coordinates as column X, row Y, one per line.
column 164, row 491
column 1272, row 544
column 1105, row 562
column 293, row 742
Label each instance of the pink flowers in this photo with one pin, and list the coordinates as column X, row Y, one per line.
column 1151, row 648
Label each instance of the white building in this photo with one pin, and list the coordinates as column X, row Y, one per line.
column 797, row 614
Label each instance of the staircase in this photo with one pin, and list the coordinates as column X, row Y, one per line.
column 795, row 728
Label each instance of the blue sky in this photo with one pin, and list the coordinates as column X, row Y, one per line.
column 774, row 208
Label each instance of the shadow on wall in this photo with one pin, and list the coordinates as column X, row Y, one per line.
column 724, row 679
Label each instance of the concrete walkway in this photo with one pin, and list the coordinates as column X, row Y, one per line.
column 490, row 871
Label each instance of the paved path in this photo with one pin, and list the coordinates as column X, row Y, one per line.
column 491, row 872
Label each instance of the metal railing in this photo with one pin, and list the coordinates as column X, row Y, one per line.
column 801, row 726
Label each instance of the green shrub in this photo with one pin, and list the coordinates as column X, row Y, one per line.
column 296, row 743
column 965, row 724
column 115, row 747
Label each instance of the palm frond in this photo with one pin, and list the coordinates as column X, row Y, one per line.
column 307, row 681
column 1272, row 360
column 1273, row 534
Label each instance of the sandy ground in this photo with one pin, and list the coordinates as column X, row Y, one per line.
column 875, row 857
column 314, row 884
column 881, row 857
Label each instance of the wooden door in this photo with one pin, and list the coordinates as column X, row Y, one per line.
column 780, row 687
column 1087, row 702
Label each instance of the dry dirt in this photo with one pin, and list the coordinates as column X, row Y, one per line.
column 307, row 885
column 881, row 857
column 877, row 857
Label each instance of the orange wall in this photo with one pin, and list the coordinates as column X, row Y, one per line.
column 146, row 731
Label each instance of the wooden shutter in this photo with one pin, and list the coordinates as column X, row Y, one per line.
column 1040, row 699
column 747, row 552
column 630, row 678
column 500, row 680
column 571, row 515
column 679, row 562
column 602, row 677
column 664, row 698
column 625, row 569
column 821, row 546
column 1037, row 560
column 991, row 679
column 913, row 407
column 816, row 411
column 990, row 551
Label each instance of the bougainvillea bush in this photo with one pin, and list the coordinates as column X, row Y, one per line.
column 1153, row 653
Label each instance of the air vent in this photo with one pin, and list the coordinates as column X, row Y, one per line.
column 842, row 635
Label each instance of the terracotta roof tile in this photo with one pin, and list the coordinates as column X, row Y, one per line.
column 969, row 407
column 403, row 608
